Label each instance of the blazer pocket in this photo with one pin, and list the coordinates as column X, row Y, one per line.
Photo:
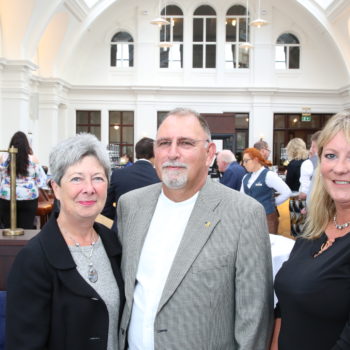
column 211, row 263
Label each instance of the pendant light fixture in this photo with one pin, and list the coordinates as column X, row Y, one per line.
column 246, row 45
column 259, row 22
column 160, row 21
column 165, row 44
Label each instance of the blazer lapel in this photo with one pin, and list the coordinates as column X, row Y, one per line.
column 198, row 230
column 138, row 231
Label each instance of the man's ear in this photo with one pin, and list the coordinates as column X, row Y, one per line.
column 211, row 151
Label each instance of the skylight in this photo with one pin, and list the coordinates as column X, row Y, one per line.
column 91, row 3
column 324, row 3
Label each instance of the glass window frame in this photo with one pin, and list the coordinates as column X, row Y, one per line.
column 127, row 52
column 287, row 47
column 239, row 52
column 89, row 125
column 204, row 43
column 123, row 146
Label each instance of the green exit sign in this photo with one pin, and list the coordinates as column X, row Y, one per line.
column 306, row 118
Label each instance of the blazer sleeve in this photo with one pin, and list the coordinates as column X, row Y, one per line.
column 253, row 283
column 28, row 309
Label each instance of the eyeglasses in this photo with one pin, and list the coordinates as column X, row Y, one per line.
column 245, row 161
column 182, row 142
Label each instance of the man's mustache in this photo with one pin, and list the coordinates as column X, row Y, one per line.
column 174, row 164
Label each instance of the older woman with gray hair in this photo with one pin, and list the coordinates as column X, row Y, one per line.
column 65, row 290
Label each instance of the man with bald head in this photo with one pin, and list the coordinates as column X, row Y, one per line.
column 232, row 171
column 196, row 254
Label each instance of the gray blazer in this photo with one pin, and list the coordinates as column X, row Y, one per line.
column 219, row 292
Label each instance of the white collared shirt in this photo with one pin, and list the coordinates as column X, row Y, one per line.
column 163, row 238
column 273, row 181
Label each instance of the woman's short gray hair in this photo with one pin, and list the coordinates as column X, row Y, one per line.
column 72, row 150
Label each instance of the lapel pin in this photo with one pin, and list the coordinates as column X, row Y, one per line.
column 207, row 223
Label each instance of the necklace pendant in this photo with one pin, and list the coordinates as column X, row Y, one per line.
column 92, row 274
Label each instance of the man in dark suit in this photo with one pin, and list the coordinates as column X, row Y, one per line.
column 140, row 174
column 232, row 172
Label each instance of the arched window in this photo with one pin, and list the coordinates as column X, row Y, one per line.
column 173, row 34
column 287, row 52
column 236, row 33
column 122, row 50
column 204, row 37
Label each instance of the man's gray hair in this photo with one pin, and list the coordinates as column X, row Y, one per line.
column 180, row 111
column 227, row 156
column 72, row 150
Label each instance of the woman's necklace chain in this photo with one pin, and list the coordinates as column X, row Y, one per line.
column 92, row 272
column 340, row 227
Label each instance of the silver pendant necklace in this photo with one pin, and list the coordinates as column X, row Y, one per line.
column 340, row 227
column 92, row 272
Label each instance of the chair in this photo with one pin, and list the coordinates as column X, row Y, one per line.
column 45, row 206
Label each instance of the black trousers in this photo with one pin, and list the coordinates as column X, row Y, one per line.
column 26, row 211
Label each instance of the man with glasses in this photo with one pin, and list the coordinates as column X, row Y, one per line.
column 263, row 147
column 196, row 254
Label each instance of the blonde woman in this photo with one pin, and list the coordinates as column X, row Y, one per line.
column 297, row 153
column 313, row 286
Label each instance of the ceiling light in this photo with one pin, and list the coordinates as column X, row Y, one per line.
column 259, row 22
column 160, row 21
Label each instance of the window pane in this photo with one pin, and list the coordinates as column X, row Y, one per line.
column 241, row 121
column 241, row 140
column 178, row 27
column 114, row 117
column 80, row 129
column 236, row 10
column 229, row 56
column 210, row 59
column 82, row 117
column 279, row 121
column 114, row 134
column 231, row 29
column 113, row 55
column 96, row 130
column 128, row 134
column 294, row 121
column 294, row 57
column 204, row 10
column 164, row 33
column 128, row 117
column 198, row 29
column 287, row 38
column 172, row 10
column 95, row 117
column 281, row 57
column 164, row 57
column 211, row 29
column 122, row 36
column 176, row 56
column 243, row 58
column 131, row 55
column 243, row 30
column 197, row 56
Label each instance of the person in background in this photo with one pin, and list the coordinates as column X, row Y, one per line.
column 139, row 174
column 126, row 160
column 196, row 254
column 29, row 178
column 263, row 184
column 264, row 149
column 65, row 289
column 296, row 153
column 232, row 171
column 312, row 287
column 308, row 167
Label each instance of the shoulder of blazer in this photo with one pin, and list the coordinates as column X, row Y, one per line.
column 109, row 239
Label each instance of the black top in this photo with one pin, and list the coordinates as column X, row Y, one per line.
column 293, row 174
column 314, row 296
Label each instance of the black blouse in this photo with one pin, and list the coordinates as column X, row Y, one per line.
column 314, row 296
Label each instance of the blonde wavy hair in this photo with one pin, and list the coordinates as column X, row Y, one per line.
column 296, row 149
column 322, row 208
